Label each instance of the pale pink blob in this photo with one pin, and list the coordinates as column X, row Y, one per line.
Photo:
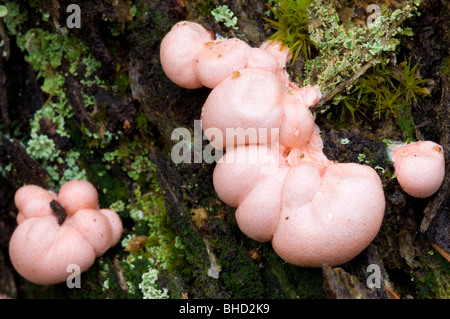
column 179, row 50
column 218, row 60
column 250, row 100
column 76, row 195
column 419, row 167
column 41, row 250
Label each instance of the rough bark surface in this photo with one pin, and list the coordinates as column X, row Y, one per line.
column 412, row 229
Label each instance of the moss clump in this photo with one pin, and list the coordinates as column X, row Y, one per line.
column 283, row 280
column 291, row 22
column 432, row 282
column 387, row 93
column 225, row 15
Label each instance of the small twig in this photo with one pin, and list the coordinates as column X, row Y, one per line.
column 59, row 211
column 342, row 86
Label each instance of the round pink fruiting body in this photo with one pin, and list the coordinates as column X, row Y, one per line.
column 41, row 249
column 328, row 217
column 419, row 167
column 218, row 60
column 241, row 168
column 179, row 53
column 314, row 212
column 248, row 101
column 33, row 201
column 310, row 95
column 262, row 59
column 298, row 123
column 279, row 51
column 76, row 195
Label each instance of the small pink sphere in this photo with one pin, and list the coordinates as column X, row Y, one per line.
column 420, row 167
column 42, row 247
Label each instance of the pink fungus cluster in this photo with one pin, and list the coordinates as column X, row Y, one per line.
column 58, row 230
column 313, row 210
column 419, row 166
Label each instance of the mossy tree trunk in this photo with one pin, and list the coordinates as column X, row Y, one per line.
column 125, row 36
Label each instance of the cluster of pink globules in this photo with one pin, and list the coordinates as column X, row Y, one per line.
column 44, row 245
column 313, row 210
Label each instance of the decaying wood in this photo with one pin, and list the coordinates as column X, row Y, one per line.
column 247, row 269
column 437, row 203
column 25, row 170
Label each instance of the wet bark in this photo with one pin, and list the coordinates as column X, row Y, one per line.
column 403, row 249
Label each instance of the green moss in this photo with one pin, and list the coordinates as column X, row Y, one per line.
column 160, row 25
column 205, row 7
column 285, row 281
column 432, row 282
column 162, row 249
column 291, row 22
column 446, row 67
column 406, row 122
column 239, row 273
column 122, row 81
column 387, row 93
column 15, row 16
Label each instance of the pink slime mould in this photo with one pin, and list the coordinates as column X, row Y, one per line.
column 56, row 231
column 419, row 166
column 313, row 210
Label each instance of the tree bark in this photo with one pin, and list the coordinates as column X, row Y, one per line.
column 409, row 266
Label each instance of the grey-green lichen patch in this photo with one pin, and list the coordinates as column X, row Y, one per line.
column 91, row 155
column 44, row 51
column 225, row 15
column 344, row 47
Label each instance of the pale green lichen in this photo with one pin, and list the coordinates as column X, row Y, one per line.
column 225, row 15
column 162, row 250
column 14, row 17
column 44, row 51
column 3, row 11
column 149, row 286
column 362, row 157
column 5, row 170
column 41, row 147
column 344, row 47
column 134, row 157
column 378, row 167
column 118, row 206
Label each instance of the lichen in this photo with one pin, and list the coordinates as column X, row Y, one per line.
column 225, row 15
column 161, row 250
column 344, row 47
column 14, row 17
column 3, row 11
column 45, row 52
column 149, row 286
column 92, row 155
